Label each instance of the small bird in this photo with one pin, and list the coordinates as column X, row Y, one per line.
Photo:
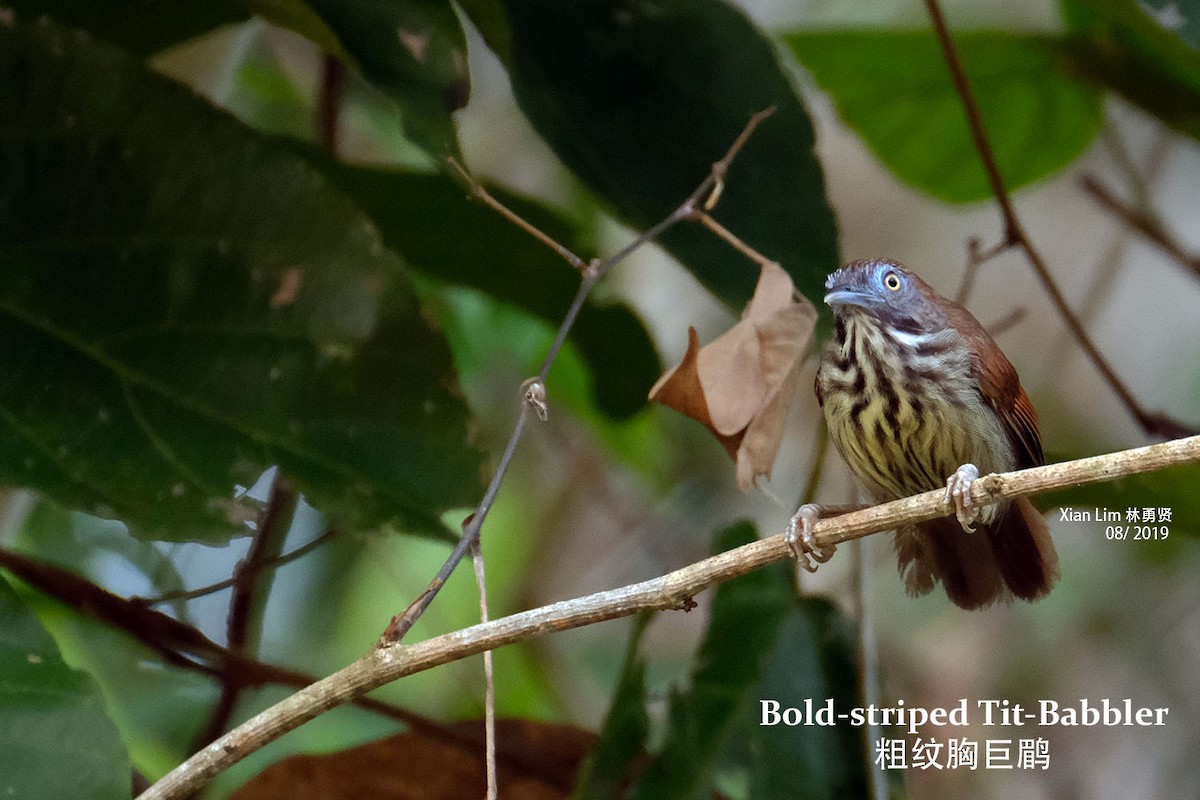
column 918, row 396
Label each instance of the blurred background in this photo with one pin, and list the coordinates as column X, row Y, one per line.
column 594, row 503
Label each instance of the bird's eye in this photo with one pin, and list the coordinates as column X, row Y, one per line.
column 892, row 281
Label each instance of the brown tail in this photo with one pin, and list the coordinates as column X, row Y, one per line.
column 1015, row 554
column 940, row 550
column 1024, row 551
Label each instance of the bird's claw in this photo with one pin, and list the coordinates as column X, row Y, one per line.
column 958, row 495
column 800, row 540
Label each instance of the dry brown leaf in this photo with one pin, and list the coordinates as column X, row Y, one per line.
column 535, row 761
column 741, row 384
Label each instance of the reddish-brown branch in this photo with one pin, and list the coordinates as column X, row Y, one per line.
column 329, row 102
column 1147, row 224
column 268, row 535
column 184, row 646
column 1152, row 422
column 270, row 563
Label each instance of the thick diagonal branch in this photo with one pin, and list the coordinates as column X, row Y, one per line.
column 386, row 663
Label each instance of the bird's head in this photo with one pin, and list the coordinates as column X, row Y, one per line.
column 888, row 293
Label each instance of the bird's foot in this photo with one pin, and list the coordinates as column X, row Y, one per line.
column 800, row 540
column 958, row 495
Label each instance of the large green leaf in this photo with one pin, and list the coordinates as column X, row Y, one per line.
column 744, row 626
column 1118, row 45
column 762, row 643
column 185, row 303
column 814, row 659
column 88, row 544
column 55, row 738
column 149, row 26
column 894, row 89
column 1180, row 16
column 607, row 768
column 139, row 26
column 413, row 51
column 465, row 242
column 639, row 99
column 490, row 20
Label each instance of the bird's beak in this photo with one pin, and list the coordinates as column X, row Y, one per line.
column 849, row 297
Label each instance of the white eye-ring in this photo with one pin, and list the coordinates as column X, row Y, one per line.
column 892, row 281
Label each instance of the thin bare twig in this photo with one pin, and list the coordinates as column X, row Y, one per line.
column 186, row 647
column 489, row 677
column 329, row 102
column 1152, row 422
column 270, row 563
column 1147, row 224
column 268, row 535
column 976, row 258
column 483, row 195
column 732, row 239
column 675, row 590
column 533, row 397
column 869, row 669
column 1139, row 176
column 176, row 642
column 1008, row 321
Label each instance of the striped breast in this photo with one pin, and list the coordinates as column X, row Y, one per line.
column 904, row 407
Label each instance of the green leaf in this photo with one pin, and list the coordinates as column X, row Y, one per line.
column 186, row 303
column 1179, row 16
column 1118, row 45
column 87, row 544
column 763, row 643
column 640, row 99
column 489, row 18
column 606, row 770
column 744, row 626
column 138, row 26
column 815, row 658
column 145, row 28
column 297, row 16
column 414, row 51
column 55, row 738
column 894, row 89
column 466, row 243
column 157, row 707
